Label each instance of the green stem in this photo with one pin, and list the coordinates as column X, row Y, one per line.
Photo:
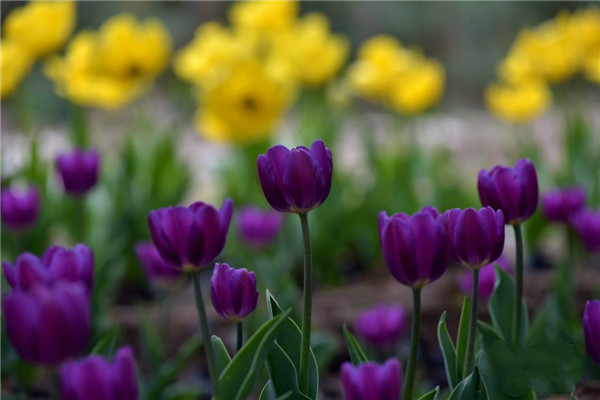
column 414, row 344
column 240, row 336
column 80, row 219
column 306, row 316
column 205, row 329
column 519, row 286
column 79, row 128
column 472, row 324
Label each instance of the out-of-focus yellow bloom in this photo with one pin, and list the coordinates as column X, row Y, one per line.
column 113, row 66
column 591, row 66
column 244, row 107
column 517, row 68
column 585, row 27
column 314, row 53
column 41, row 26
column 518, row 103
column 263, row 17
column 380, row 60
column 419, row 87
column 15, row 64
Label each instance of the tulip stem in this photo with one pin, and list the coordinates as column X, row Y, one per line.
column 414, row 344
column 80, row 219
column 472, row 324
column 205, row 330
column 240, row 336
column 306, row 317
column 519, row 286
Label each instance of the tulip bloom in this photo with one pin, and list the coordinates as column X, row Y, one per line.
column 153, row 264
column 258, row 228
column 512, row 190
column 233, row 292
column 476, row 236
column 416, row 248
column 487, row 279
column 381, row 326
column 296, row 180
column 78, row 171
column 19, row 209
column 94, row 377
column 370, row 381
column 591, row 329
column 190, row 237
column 56, row 265
column 48, row 325
column 561, row 204
column 587, row 225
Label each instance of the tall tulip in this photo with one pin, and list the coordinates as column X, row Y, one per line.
column 370, row 381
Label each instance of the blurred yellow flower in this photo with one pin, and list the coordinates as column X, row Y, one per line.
column 263, row 18
column 585, row 27
column 315, row 55
column 419, row 87
column 15, row 64
column 518, row 103
column 516, row 68
column 244, row 107
column 41, row 26
column 591, row 66
column 111, row 67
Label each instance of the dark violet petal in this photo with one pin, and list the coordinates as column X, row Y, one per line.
column 424, row 230
column 591, row 329
column 270, row 187
column 398, row 244
column 525, row 171
column 124, row 374
column 303, row 181
column 170, row 229
column 92, row 379
column 31, row 272
column 22, row 317
column 10, row 273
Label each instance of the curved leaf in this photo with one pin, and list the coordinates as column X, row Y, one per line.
column 433, row 395
column 221, row 354
column 357, row 355
column 470, row 388
column 448, row 352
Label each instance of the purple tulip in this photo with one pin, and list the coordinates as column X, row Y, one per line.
column 561, row 204
column 512, row 190
column 487, row 278
column 370, row 381
column 153, row 264
column 381, row 326
column 587, row 225
column 258, row 228
column 416, row 248
column 191, row 237
column 591, row 329
column 48, row 325
column 296, row 180
column 58, row 264
column 94, row 378
column 233, row 292
column 20, row 208
column 476, row 236
column 78, row 170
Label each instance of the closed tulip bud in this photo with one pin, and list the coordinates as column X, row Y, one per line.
column 381, row 326
column 94, row 377
column 296, row 180
column 258, row 228
column 476, row 236
column 58, row 264
column 587, row 225
column 561, row 204
column 370, row 381
column 416, row 248
column 190, row 237
column 78, row 171
column 233, row 292
column 153, row 264
column 514, row 191
column 20, row 209
column 487, row 279
column 591, row 329
column 48, row 325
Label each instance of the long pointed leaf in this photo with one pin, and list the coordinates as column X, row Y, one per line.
column 221, row 354
column 470, row 388
column 433, row 395
column 357, row 355
column 448, row 352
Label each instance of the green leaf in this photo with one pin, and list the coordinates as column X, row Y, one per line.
column 151, row 342
column 237, row 379
column 501, row 307
column 470, row 388
column 448, row 351
column 283, row 373
column 221, row 354
column 268, row 393
column 461, row 339
column 107, row 343
column 357, row 355
column 289, row 340
column 433, row 395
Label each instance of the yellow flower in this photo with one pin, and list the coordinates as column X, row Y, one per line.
column 113, row 66
column 314, row 53
column 585, row 27
column 41, row 26
column 591, row 66
column 15, row 64
column 517, row 67
column 518, row 103
column 418, row 88
column 244, row 107
column 263, row 18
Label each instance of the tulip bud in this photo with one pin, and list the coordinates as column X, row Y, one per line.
column 20, row 209
column 587, row 225
column 233, row 292
column 258, row 228
column 78, row 171
column 591, row 329
column 381, row 326
column 370, row 381
column 561, row 204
